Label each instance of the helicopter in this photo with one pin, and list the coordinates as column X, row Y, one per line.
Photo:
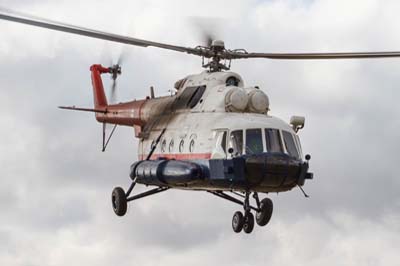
column 213, row 134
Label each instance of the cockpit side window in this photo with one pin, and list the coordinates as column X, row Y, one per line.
column 297, row 139
column 273, row 140
column 290, row 144
column 236, row 141
column 223, row 141
column 219, row 150
column 254, row 142
column 196, row 96
column 189, row 97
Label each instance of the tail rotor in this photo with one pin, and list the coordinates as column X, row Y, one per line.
column 115, row 71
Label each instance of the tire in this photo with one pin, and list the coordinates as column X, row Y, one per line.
column 264, row 216
column 237, row 222
column 248, row 224
column 118, row 200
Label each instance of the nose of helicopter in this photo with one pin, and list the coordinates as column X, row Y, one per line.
column 274, row 170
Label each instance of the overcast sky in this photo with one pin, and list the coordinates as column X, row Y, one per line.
column 55, row 182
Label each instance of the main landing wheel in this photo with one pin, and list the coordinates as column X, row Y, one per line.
column 237, row 222
column 265, row 213
column 248, row 224
column 119, row 203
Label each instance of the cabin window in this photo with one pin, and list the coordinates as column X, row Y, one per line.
column 254, row 142
column 181, row 146
column 290, row 144
column 191, row 145
column 171, row 146
column 163, row 145
column 273, row 140
column 236, row 141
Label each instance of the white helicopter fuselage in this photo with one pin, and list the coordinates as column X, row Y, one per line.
column 201, row 122
column 214, row 117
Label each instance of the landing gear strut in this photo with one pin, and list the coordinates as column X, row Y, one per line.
column 245, row 221
column 120, row 199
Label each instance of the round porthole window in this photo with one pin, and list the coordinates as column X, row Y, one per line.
column 171, row 146
column 181, row 146
column 163, row 145
column 191, row 145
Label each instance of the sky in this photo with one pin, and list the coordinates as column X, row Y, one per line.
column 55, row 183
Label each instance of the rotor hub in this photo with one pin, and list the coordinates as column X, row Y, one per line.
column 218, row 45
column 115, row 70
column 217, row 49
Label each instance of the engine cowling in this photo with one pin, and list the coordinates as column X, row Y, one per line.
column 236, row 100
column 258, row 101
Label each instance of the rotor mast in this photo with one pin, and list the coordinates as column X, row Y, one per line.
column 217, row 48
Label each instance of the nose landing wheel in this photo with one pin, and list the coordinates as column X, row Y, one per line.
column 248, row 224
column 264, row 215
column 237, row 222
column 245, row 221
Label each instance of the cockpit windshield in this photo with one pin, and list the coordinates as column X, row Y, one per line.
column 236, row 141
column 276, row 140
column 273, row 140
column 254, row 142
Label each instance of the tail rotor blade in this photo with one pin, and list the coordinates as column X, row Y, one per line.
column 121, row 58
column 113, row 94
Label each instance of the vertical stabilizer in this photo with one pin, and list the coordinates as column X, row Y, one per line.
column 100, row 100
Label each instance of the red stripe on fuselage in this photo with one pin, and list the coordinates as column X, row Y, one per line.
column 179, row 156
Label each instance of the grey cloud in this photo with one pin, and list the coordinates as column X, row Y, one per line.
column 55, row 183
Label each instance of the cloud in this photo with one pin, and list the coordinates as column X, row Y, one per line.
column 55, row 183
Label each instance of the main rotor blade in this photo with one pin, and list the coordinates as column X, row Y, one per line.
column 227, row 54
column 58, row 26
column 309, row 56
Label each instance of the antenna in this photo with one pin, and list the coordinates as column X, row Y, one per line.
column 304, row 193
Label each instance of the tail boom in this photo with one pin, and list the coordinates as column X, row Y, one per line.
column 134, row 113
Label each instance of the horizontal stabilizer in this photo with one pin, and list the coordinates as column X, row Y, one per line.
column 73, row 108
